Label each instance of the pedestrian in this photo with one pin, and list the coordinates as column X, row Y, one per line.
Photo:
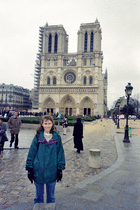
column 45, row 160
column 14, row 123
column 66, row 122
column 64, row 125
column 3, row 136
column 78, row 135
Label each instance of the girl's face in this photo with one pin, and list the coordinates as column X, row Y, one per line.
column 47, row 125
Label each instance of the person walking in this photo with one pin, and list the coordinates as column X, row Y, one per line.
column 3, row 136
column 14, row 123
column 64, row 125
column 78, row 135
column 45, row 161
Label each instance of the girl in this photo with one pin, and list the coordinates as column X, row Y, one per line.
column 45, row 160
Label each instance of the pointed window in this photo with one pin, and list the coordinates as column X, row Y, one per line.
column 48, row 81
column 55, row 43
column 85, row 80
column 91, row 61
column 48, row 62
column 85, row 62
column 90, row 80
column 91, row 42
column 54, row 81
column 85, row 44
column 55, row 62
column 50, row 43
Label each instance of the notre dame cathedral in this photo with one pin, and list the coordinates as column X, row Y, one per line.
column 70, row 83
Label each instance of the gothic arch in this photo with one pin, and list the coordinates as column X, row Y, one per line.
column 50, row 43
column 55, row 43
column 90, row 80
column 67, row 105
column 86, row 106
column 49, row 105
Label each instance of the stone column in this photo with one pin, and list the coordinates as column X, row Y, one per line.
column 46, row 43
column 59, row 42
column 77, row 109
column 80, row 42
column 52, row 47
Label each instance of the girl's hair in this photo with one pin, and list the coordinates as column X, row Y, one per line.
column 47, row 117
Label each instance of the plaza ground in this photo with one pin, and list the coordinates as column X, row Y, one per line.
column 82, row 187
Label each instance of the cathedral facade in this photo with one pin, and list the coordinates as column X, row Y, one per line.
column 70, row 83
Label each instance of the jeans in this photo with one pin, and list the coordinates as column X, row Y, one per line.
column 14, row 136
column 50, row 188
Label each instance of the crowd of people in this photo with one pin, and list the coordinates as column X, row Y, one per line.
column 9, row 113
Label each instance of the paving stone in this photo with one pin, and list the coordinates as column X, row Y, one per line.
column 72, row 201
column 79, row 192
column 94, row 196
column 92, row 205
column 104, row 184
column 110, row 200
column 129, row 205
column 110, row 191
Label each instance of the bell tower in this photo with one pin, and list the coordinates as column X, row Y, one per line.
column 55, row 39
column 89, row 37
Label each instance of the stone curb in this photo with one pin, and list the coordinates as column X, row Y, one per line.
column 102, row 174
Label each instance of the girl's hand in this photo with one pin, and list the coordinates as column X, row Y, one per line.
column 30, row 175
column 59, row 175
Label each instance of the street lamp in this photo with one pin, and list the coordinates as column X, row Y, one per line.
column 118, row 104
column 115, row 115
column 128, row 92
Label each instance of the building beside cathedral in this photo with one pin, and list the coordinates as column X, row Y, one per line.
column 70, row 83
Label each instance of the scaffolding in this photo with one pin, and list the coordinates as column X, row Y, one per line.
column 38, row 69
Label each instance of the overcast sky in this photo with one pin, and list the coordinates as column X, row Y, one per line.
column 120, row 24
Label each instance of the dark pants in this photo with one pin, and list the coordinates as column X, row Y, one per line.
column 14, row 137
column 1, row 145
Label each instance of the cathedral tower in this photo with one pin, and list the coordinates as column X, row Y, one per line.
column 70, row 83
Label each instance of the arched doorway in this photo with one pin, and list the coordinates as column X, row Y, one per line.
column 67, row 105
column 49, row 106
column 86, row 106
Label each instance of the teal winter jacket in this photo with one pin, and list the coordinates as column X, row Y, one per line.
column 45, row 158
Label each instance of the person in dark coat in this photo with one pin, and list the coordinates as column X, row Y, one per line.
column 14, row 123
column 3, row 136
column 78, row 135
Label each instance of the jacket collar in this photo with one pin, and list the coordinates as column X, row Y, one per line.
column 54, row 135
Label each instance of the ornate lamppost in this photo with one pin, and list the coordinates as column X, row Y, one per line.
column 118, row 105
column 128, row 92
column 115, row 115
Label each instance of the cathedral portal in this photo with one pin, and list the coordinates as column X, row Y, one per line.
column 67, row 105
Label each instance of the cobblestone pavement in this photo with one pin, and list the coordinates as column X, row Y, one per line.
column 14, row 185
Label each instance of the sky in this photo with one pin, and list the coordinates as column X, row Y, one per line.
column 120, row 23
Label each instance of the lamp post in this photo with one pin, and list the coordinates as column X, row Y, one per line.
column 128, row 91
column 118, row 104
column 116, row 116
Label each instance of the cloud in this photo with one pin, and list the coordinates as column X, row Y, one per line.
column 120, row 21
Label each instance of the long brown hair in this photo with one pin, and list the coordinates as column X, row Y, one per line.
column 47, row 117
